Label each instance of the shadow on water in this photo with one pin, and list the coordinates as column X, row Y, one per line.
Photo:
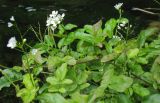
column 78, row 12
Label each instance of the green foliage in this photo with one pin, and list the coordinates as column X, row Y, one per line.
column 141, row 91
column 109, row 27
column 29, row 92
column 51, row 98
column 93, row 64
column 153, row 99
column 10, row 75
column 69, row 26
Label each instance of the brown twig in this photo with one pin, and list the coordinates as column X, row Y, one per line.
column 145, row 11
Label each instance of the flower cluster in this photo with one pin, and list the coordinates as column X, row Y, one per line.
column 118, row 6
column 54, row 19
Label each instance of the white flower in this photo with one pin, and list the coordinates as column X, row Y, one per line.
column 34, row 51
column 118, row 6
column 12, row 18
column 54, row 19
column 12, row 42
column 10, row 24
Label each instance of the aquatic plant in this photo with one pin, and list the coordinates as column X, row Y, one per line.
column 94, row 64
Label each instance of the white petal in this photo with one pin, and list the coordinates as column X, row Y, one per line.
column 122, row 25
column 12, row 43
column 118, row 6
column 10, row 24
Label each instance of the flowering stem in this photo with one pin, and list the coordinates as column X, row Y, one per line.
column 19, row 31
column 36, row 34
column 50, row 34
column 127, row 33
column 120, row 16
column 40, row 34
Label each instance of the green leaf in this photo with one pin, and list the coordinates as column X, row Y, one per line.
column 10, row 75
column 43, row 88
column 61, row 29
column 135, row 68
column 70, row 26
column 122, row 20
column 37, row 70
column 109, row 27
column 141, row 91
column 152, row 99
column 155, row 70
column 108, row 57
column 120, row 83
column 61, row 71
column 83, row 86
column 52, row 80
column 121, row 60
column 96, row 76
column 62, row 90
column 106, row 79
column 78, row 98
column 29, row 92
column 17, row 68
column 141, row 60
column 49, row 40
column 87, row 58
column 144, row 34
column 61, row 42
column 27, row 95
column 55, row 88
column 38, row 58
column 53, row 62
column 67, row 81
column 82, row 77
column 89, row 29
column 51, row 98
column 108, row 74
column 28, row 81
column 120, row 47
column 123, row 99
column 69, row 60
column 4, row 82
column 132, row 53
column 76, row 35
column 108, row 47
column 97, row 26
